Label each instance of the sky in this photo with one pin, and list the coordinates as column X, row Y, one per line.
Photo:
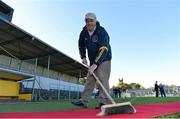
column 144, row 34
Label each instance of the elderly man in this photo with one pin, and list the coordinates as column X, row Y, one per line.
column 95, row 40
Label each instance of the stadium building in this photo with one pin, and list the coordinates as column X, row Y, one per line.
column 30, row 69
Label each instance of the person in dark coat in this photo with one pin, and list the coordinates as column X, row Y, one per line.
column 156, row 89
column 95, row 42
column 97, row 94
column 115, row 92
column 119, row 92
column 161, row 87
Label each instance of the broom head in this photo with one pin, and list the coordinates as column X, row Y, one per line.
column 118, row 108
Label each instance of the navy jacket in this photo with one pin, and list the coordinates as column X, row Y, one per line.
column 156, row 87
column 97, row 45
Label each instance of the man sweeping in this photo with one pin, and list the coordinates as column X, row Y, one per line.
column 95, row 40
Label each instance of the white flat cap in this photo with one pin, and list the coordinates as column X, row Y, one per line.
column 90, row 16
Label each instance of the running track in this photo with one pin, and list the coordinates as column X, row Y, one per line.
column 143, row 111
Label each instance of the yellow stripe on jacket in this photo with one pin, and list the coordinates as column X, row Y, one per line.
column 101, row 49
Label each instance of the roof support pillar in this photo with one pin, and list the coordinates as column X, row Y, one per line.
column 35, row 73
column 80, row 75
column 49, row 63
column 59, row 86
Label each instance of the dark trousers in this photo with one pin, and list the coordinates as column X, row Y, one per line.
column 157, row 93
column 163, row 94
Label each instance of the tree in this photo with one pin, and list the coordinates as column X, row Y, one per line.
column 135, row 85
column 123, row 85
column 138, row 86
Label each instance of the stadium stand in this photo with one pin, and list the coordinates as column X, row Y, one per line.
column 30, row 69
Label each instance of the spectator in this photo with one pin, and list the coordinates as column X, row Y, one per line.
column 156, row 89
column 161, row 87
column 115, row 92
column 97, row 94
column 119, row 92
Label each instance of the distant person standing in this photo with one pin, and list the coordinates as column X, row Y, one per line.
column 161, row 87
column 97, row 93
column 156, row 88
column 115, row 92
column 119, row 92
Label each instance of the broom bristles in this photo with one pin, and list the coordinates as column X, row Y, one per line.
column 119, row 108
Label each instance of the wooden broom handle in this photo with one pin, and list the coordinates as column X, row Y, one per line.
column 105, row 91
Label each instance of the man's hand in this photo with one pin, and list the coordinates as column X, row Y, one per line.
column 92, row 68
column 84, row 61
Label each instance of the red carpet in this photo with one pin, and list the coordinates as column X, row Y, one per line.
column 145, row 111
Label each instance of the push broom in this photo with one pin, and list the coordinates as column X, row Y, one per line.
column 114, row 108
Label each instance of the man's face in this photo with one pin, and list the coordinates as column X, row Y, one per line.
column 90, row 24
